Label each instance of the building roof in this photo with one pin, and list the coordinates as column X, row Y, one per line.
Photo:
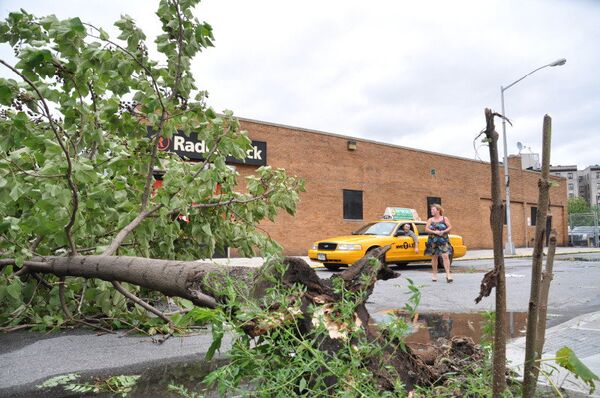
column 244, row 119
column 563, row 168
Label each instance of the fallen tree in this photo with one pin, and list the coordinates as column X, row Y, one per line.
column 78, row 170
column 315, row 308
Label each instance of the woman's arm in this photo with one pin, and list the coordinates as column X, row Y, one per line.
column 448, row 225
column 427, row 227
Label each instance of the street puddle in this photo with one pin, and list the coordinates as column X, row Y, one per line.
column 426, row 327
column 154, row 382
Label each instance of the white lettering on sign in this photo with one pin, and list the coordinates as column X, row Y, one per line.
column 181, row 144
column 254, row 153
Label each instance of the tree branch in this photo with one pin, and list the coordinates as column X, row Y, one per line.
column 114, row 245
column 69, row 175
column 178, row 71
column 134, row 58
column 21, row 170
column 141, row 302
column 61, row 296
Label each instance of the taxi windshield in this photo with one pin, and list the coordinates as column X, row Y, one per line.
column 377, row 228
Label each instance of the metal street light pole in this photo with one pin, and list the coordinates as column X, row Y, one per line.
column 510, row 247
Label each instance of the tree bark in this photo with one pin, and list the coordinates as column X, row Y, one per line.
column 547, row 277
column 529, row 379
column 496, row 277
column 189, row 280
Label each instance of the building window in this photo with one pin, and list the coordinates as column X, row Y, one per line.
column 598, row 174
column 571, row 186
column 571, row 195
column 431, row 200
column 533, row 215
column 570, row 176
column 353, row 204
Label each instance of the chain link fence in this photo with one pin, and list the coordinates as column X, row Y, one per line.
column 584, row 230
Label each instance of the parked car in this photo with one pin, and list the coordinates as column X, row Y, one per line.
column 346, row 250
column 584, row 235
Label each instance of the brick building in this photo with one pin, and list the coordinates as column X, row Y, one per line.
column 350, row 181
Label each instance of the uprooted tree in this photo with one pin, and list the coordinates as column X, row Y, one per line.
column 86, row 238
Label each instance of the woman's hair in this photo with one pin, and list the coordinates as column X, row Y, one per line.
column 439, row 207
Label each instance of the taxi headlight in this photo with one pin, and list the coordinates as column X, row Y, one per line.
column 315, row 246
column 348, row 247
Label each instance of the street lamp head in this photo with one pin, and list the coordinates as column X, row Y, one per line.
column 559, row 62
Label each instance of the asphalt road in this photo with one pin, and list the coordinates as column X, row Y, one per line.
column 573, row 291
column 26, row 359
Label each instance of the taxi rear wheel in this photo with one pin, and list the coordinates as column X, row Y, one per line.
column 441, row 259
column 331, row 267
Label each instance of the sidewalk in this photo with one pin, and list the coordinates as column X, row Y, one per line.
column 582, row 335
column 524, row 252
column 482, row 254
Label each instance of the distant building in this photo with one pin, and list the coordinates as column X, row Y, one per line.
column 581, row 183
column 573, row 178
column 530, row 161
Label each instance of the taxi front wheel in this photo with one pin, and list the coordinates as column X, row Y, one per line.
column 331, row 267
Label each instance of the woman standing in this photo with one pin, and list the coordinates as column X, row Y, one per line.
column 438, row 227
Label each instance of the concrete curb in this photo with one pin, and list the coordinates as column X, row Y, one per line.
column 476, row 255
column 525, row 255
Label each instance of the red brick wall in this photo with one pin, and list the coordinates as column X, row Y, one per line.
column 390, row 176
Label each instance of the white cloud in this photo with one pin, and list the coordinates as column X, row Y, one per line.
column 416, row 74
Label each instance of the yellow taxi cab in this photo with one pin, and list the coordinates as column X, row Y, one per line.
column 346, row 250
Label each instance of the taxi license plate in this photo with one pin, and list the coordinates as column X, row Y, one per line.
column 321, row 257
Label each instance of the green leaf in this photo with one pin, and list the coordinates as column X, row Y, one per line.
column 566, row 358
column 103, row 34
column 59, row 380
column 6, row 91
column 14, row 289
column 302, row 385
column 217, row 334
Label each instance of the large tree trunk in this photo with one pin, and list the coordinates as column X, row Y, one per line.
column 189, row 280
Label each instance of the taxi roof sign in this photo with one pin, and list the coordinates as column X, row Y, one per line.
column 400, row 213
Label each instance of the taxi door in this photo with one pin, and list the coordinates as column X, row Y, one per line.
column 403, row 247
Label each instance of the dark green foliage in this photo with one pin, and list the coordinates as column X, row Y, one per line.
column 76, row 161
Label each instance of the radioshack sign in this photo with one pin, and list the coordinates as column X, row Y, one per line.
column 190, row 147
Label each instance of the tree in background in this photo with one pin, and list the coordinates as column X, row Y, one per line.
column 577, row 205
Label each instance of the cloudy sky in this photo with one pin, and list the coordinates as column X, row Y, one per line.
column 415, row 74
